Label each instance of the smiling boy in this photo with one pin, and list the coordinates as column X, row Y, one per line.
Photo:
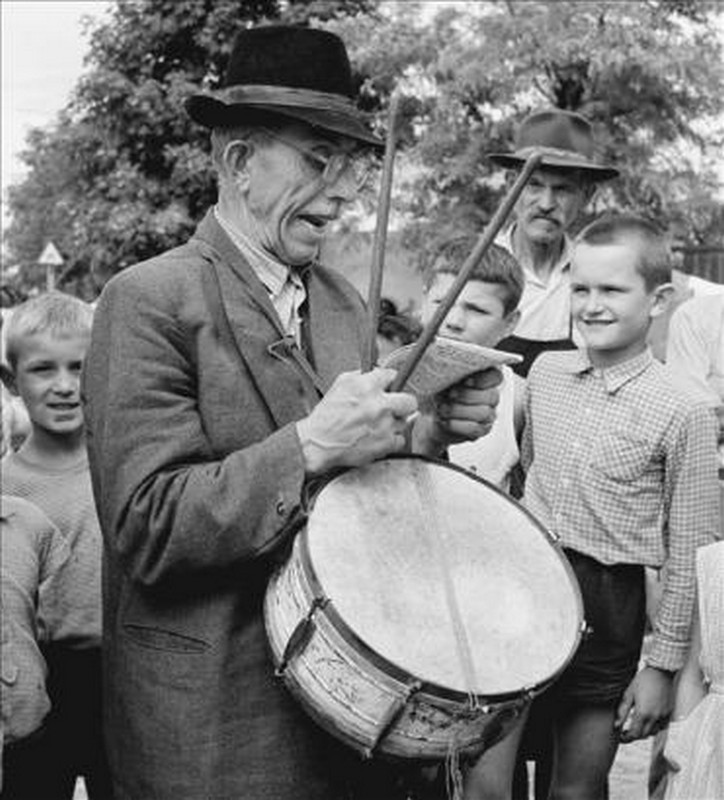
column 622, row 468
column 47, row 339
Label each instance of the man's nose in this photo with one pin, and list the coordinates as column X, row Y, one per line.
column 344, row 188
column 547, row 198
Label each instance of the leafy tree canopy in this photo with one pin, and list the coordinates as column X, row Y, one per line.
column 124, row 173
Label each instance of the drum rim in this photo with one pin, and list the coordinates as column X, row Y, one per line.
column 380, row 661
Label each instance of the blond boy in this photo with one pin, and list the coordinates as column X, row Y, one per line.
column 46, row 340
column 622, row 467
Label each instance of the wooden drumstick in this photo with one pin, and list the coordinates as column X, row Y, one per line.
column 481, row 247
column 380, row 240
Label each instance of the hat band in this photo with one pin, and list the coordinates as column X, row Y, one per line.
column 553, row 152
column 262, row 94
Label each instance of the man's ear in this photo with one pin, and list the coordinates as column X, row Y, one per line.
column 589, row 192
column 235, row 160
column 663, row 297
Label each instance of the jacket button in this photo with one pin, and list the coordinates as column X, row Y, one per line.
column 281, row 508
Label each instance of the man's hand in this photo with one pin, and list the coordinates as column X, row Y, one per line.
column 355, row 422
column 646, row 705
column 464, row 412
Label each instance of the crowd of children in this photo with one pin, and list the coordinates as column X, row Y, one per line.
column 620, row 463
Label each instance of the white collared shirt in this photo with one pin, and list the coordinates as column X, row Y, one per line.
column 545, row 307
column 284, row 285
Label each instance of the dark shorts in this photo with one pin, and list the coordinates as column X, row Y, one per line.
column 614, row 605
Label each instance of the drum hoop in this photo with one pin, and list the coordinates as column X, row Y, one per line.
column 382, row 663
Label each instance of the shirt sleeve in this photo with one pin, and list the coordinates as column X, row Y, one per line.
column 691, row 519
column 687, row 354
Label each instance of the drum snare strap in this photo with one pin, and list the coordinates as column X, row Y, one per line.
column 300, row 635
column 392, row 715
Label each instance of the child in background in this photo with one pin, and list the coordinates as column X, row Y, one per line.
column 484, row 313
column 46, row 342
column 622, row 467
column 695, row 742
column 32, row 551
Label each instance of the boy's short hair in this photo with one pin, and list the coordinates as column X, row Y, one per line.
column 53, row 312
column 497, row 266
column 655, row 258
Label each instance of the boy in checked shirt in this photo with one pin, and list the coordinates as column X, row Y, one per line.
column 622, row 467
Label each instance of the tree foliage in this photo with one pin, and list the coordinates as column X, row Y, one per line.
column 124, row 173
column 649, row 75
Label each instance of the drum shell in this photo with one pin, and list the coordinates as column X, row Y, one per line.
column 349, row 690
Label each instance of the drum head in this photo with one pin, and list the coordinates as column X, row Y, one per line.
column 381, row 540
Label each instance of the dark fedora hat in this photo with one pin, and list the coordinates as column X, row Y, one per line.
column 299, row 73
column 565, row 140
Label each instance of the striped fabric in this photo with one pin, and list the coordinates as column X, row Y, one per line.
column 623, row 469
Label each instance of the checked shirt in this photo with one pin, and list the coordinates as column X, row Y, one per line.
column 623, row 468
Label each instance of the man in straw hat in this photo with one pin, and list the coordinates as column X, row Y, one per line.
column 222, row 376
column 547, row 208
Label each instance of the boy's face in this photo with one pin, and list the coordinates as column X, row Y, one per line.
column 47, row 377
column 478, row 315
column 609, row 302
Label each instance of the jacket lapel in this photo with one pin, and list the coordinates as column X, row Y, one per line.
column 332, row 334
column 253, row 322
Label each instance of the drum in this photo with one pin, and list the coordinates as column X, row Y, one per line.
column 420, row 611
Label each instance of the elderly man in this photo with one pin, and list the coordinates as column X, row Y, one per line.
column 221, row 377
column 547, row 208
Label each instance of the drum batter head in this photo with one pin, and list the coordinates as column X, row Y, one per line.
column 390, row 541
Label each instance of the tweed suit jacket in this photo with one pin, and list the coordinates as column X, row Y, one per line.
column 197, row 471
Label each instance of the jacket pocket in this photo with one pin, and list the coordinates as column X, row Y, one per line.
column 158, row 639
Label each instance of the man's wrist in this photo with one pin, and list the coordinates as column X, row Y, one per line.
column 313, row 456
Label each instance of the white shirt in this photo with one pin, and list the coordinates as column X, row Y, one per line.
column 545, row 307
column 493, row 456
column 695, row 347
column 284, row 285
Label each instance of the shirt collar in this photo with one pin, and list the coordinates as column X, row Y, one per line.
column 613, row 377
column 564, row 260
column 272, row 273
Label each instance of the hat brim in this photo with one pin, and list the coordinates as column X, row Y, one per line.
column 213, row 113
column 595, row 172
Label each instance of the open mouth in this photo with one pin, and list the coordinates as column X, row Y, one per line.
column 315, row 221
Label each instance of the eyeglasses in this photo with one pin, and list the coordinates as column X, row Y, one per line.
column 332, row 167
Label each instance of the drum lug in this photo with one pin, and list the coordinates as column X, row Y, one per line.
column 300, row 635
column 393, row 714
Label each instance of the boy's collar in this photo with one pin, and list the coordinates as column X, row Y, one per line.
column 616, row 376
